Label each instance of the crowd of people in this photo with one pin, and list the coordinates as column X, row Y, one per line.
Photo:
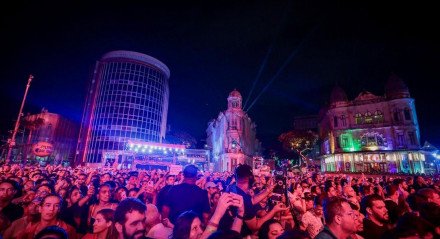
column 57, row 202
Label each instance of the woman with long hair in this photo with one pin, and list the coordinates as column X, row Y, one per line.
column 75, row 214
column 270, row 229
column 103, row 225
column 104, row 201
column 189, row 225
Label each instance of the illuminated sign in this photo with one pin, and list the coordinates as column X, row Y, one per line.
column 42, row 149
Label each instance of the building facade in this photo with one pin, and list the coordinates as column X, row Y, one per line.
column 49, row 138
column 373, row 134
column 232, row 136
column 127, row 100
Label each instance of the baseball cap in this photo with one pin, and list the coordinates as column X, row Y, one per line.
column 210, row 185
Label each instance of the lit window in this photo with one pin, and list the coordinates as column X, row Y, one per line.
column 378, row 116
column 368, row 118
column 358, row 118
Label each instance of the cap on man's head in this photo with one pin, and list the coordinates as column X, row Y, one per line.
column 190, row 171
column 210, row 185
column 243, row 171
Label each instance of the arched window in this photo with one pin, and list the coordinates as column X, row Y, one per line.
column 335, row 121
column 368, row 118
column 378, row 116
column 233, row 123
column 358, row 118
column 343, row 120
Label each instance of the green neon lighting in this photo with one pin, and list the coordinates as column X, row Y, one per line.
column 349, row 143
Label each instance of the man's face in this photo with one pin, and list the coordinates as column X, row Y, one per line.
column 36, row 177
column 348, row 216
column 61, row 173
column 6, row 168
column 170, row 180
column 435, row 198
column 404, row 185
column 32, row 208
column 133, row 179
column 332, row 192
column 349, row 192
column 50, row 208
column 29, row 185
column 7, row 192
column 304, row 186
column 81, row 180
column 105, row 178
column 379, row 211
column 134, row 227
column 212, row 190
column 42, row 191
column 319, row 211
column 359, row 221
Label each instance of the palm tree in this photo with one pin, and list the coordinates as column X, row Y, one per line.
column 31, row 125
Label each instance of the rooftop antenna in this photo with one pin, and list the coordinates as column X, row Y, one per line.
column 17, row 123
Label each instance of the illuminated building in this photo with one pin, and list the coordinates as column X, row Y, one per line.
column 232, row 136
column 127, row 101
column 148, row 155
column 371, row 133
column 52, row 130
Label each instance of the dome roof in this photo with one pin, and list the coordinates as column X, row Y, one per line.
column 338, row 95
column 366, row 95
column 396, row 88
column 235, row 93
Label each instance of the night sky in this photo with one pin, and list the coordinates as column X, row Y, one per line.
column 301, row 48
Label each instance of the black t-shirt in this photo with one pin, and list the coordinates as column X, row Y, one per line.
column 161, row 197
column 69, row 214
column 250, row 211
column 372, row 230
column 185, row 197
column 12, row 212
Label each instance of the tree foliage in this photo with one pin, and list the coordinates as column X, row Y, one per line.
column 299, row 141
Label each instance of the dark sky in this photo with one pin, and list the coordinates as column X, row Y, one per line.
column 212, row 47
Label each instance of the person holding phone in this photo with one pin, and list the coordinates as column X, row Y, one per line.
column 244, row 180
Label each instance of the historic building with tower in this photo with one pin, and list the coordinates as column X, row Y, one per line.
column 371, row 133
column 232, row 136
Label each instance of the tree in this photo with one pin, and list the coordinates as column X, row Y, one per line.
column 301, row 142
column 31, row 125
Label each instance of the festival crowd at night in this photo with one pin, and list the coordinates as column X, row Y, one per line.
column 64, row 202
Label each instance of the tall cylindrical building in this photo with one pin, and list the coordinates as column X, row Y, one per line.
column 127, row 100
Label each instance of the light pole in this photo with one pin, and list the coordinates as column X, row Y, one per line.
column 17, row 123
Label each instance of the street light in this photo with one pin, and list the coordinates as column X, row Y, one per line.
column 17, row 123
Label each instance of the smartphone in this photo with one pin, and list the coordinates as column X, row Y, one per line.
column 233, row 209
